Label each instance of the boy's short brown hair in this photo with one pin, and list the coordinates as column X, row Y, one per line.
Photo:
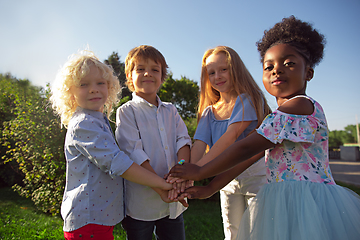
column 143, row 52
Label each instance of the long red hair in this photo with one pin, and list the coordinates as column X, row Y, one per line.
column 241, row 79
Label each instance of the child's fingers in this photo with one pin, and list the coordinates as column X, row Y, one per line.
column 175, row 195
column 172, row 194
column 175, row 174
column 169, row 194
column 180, row 180
column 171, row 179
column 189, row 183
column 182, row 200
column 178, row 187
column 184, row 203
column 183, row 186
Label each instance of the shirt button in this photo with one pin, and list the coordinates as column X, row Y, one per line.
column 166, row 147
column 161, row 129
column 91, row 236
column 80, row 235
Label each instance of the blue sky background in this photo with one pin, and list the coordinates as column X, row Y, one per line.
column 38, row 36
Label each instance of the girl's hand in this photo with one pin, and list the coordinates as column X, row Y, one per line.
column 189, row 183
column 172, row 196
column 199, row 192
column 182, row 197
column 178, row 184
column 165, row 195
column 186, row 171
column 181, row 184
column 171, row 180
column 167, row 186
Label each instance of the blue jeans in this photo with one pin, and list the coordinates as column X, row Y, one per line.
column 165, row 228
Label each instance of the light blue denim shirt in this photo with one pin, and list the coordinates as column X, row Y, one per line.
column 155, row 133
column 94, row 163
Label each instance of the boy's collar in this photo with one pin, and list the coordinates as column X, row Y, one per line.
column 139, row 99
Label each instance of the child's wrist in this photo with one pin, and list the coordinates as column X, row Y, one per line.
column 181, row 162
column 167, row 186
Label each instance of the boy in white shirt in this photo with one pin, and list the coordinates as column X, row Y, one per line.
column 153, row 134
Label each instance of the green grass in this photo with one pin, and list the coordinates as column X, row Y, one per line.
column 20, row 220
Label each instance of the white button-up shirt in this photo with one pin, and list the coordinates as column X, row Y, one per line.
column 146, row 132
column 94, row 163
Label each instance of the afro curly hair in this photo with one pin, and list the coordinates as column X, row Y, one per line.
column 301, row 35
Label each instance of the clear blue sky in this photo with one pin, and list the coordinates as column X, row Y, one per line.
column 38, row 36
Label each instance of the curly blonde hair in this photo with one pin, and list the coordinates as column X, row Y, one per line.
column 76, row 68
column 241, row 80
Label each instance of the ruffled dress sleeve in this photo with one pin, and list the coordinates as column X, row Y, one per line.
column 279, row 126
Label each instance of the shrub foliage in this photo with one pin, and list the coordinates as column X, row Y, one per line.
column 34, row 140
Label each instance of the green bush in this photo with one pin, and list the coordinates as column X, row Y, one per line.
column 11, row 92
column 35, row 141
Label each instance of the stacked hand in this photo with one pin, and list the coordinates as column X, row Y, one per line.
column 182, row 177
column 186, row 171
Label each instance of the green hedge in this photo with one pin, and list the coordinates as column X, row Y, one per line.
column 34, row 140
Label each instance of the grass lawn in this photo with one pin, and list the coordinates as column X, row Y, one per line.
column 20, row 220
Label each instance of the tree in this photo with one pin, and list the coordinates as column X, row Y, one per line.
column 14, row 92
column 338, row 138
column 119, row 69
column 351, row 130
column 34, row 141
column 183, row 93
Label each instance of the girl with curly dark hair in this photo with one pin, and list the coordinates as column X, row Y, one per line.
column 301, row 199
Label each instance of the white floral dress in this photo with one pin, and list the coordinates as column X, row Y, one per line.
column 301, row 199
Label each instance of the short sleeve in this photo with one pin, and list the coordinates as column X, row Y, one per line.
column 203, row 129
column 279, row 126
column 243, row 110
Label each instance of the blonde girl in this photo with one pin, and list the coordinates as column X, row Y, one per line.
column 231, row 106
column 84, row 89
column 77, row 67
